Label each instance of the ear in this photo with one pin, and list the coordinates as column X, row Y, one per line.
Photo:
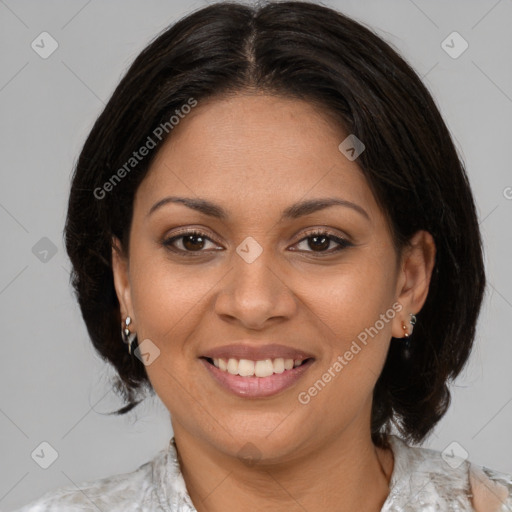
column 120, row 271
column 414, row 279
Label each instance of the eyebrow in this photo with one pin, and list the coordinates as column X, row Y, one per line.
column 292, row 212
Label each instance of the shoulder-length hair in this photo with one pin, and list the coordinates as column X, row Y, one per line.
column 306, row 51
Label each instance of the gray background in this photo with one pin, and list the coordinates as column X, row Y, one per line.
column 54, row 387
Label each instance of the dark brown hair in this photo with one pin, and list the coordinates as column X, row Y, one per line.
column 306, row 51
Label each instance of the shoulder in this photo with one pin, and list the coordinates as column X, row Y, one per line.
column 446, row 481
column 122, row 492
column 491, row 490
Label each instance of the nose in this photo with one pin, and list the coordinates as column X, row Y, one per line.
column 255, row 294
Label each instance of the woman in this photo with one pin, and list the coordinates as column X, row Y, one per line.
column 271, row 214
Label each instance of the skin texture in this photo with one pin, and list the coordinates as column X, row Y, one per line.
column 255, row 155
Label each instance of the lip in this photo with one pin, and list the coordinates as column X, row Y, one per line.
column 244, row 350
column 257, row 387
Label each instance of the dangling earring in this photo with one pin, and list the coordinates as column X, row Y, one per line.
column 406, row 351
column 130, row 338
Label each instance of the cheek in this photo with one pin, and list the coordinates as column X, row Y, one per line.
column 355, row 312
column 168, row 298
column 352, row 298
column 169, row 301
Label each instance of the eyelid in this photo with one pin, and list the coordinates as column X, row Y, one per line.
column 192, row 231
column 325, row 231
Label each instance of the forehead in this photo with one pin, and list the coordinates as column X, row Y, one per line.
column 251, row 152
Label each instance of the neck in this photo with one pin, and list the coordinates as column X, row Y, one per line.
column 330, row 475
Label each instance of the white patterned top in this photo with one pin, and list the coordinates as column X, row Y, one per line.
column 421, row 481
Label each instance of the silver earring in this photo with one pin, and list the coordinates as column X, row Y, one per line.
column 128, row 337
column 406, row 350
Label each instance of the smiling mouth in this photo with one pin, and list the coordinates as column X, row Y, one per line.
column 260, row 368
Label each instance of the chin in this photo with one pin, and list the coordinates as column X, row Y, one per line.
column 260, row 447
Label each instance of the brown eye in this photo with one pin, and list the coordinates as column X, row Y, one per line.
column 193, row 242
column 190, row 241
column 320, row 241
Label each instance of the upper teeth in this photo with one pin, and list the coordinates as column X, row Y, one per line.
column 263, row 368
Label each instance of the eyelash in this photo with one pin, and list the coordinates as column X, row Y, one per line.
column 343, row 243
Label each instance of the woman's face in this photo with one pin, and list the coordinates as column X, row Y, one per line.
column 258, row 281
